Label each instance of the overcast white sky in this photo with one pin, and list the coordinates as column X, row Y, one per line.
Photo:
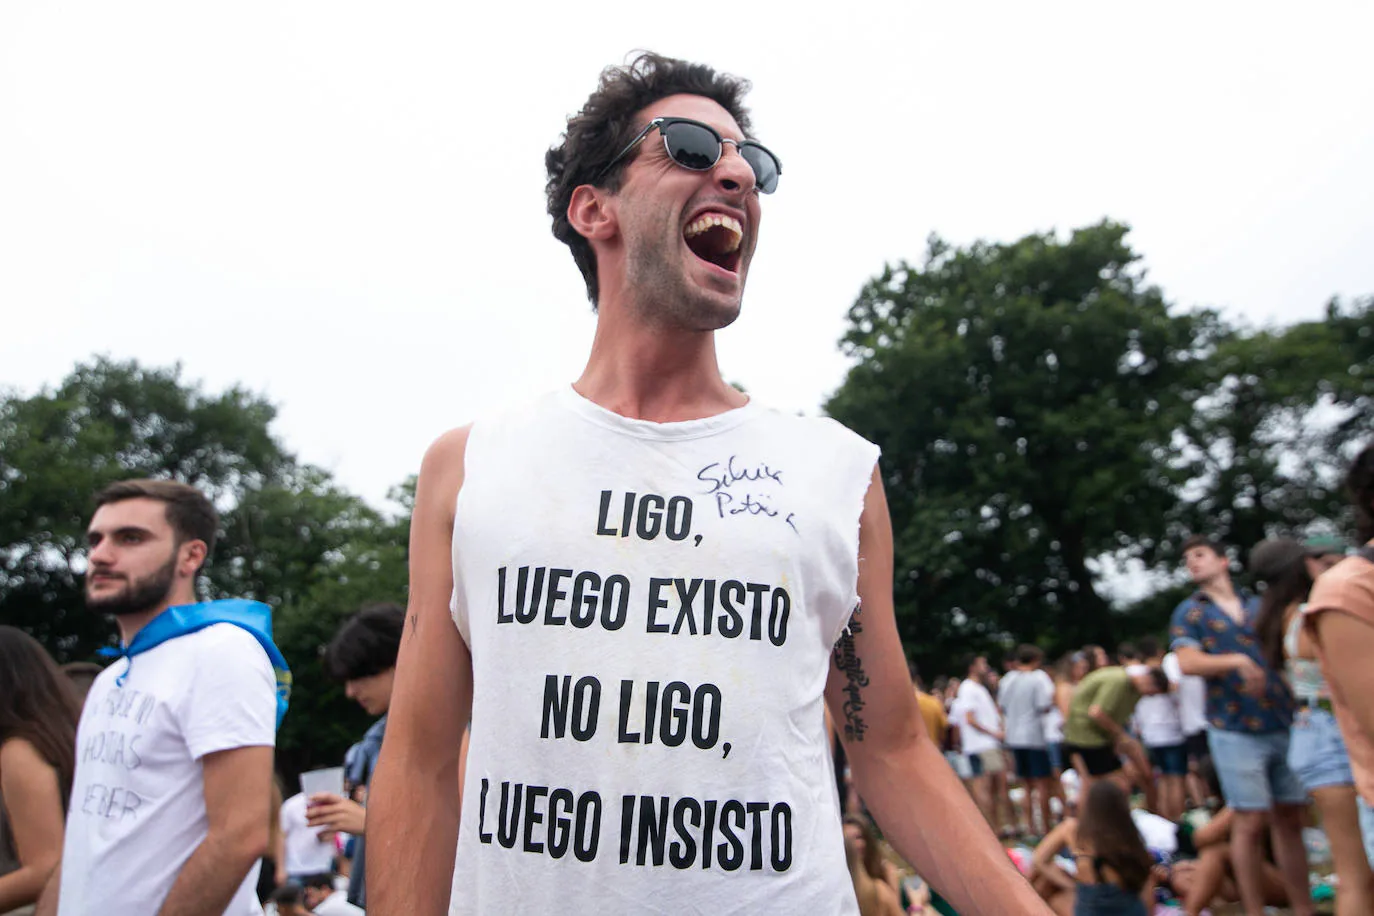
column 340, row 204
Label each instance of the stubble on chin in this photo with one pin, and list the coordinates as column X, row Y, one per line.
column 136, row 596
column 662, row 295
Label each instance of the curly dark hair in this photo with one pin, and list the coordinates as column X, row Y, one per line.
column 607, row 122
column 1360, row 483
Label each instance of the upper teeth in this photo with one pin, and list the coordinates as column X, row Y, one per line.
column 701, row 224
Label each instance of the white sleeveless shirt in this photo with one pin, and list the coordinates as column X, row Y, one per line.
column 650, row 609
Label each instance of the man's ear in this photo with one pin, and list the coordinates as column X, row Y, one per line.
column 193, row 554
column 591, row 212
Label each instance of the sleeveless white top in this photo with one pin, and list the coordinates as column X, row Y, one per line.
column 650, row 609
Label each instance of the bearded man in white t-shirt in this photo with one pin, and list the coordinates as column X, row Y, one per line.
column 171, row 799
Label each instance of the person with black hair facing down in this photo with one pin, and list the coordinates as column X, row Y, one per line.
column 1340, row 618
column 38, row 714
column 363, row 656
column 288, row 900
column 643, row 588
column 170, row 802
column 322, row 899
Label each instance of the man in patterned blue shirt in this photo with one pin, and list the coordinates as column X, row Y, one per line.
column 1249, row 708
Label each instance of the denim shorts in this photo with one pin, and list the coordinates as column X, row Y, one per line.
column 1316, row 750
column 1056, row 752
column 1170, row 759
column 1253, row 769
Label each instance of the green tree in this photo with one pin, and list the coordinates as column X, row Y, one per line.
column 1284, row 411
column 367, row 566
column 1025, row 396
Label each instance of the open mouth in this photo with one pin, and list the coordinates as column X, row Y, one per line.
column 715, row 238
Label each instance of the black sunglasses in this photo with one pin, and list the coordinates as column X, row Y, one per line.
column 698, row 147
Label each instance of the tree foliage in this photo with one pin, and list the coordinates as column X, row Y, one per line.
column 1043, row 411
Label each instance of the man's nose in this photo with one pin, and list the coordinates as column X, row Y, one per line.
column 732, row 172
column 100, row 554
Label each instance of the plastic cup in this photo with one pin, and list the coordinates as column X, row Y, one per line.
column 314, row 782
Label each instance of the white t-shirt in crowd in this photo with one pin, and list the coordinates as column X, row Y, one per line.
column 336, row 904
column 137, row 809
column 1024, row 697
column 974, row 701
column 306, row 853
column 1158, row 833
column 1192, row 695
column 1157, row 720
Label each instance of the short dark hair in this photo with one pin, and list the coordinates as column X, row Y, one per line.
column 190, row 513
column 606, row 124
column 1359, row 482
column 1148, row 646
column 1127, row 652
column 1160, row 678
column 1026, row 654
column 367, row 643
column 1202, row 540
column 289, row 894
column 320, row 881
column 968, row 661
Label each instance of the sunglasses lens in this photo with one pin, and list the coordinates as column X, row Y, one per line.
column 691, row 145
column 765, row 166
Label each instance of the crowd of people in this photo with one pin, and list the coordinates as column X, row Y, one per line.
column 607, row 696
column 1187, row 767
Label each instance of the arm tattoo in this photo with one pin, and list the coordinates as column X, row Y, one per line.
column 847, row 661
column 414, row 624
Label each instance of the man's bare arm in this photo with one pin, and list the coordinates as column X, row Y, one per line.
column 918, row 801
column 413, row 803
column 1192, row 660
column 1106, row 722
column 973, row 721
column 238, row 795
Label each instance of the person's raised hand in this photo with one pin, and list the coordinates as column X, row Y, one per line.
column 335, row 813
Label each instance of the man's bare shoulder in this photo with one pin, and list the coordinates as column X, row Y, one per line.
column 449, row 446
column 442, row 467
